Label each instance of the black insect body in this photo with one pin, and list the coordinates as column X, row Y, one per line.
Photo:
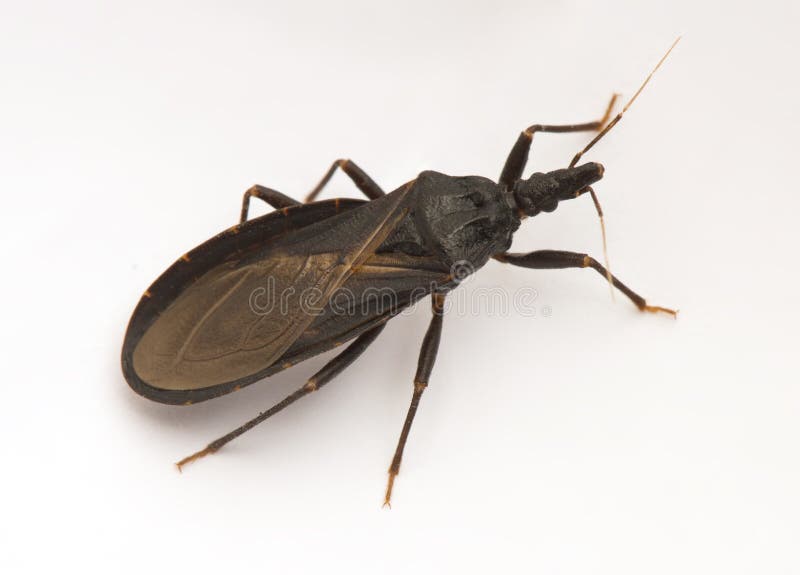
column 273, row 291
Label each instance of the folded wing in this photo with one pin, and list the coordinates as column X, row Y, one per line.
column 241, row 316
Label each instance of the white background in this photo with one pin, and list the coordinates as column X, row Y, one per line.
column 596, row 440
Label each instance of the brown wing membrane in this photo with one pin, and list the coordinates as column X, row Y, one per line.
column 241, row 316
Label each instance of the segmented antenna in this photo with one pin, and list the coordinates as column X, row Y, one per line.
column 618, row 117
column 599, row 209
column 596, row 139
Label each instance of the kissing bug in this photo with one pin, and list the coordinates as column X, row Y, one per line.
column 199, row 331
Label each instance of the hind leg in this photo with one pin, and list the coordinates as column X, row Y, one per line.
column 330, row 370
column 362, row 181
column 273, row 197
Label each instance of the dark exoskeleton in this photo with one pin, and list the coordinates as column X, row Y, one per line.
column 211, row 323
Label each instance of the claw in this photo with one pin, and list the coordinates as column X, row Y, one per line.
column 193, row 456
column 657, row 309
column 387, row 499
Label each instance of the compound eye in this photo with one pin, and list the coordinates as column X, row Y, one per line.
column 549, row 206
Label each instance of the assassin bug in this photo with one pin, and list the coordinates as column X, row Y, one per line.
column 199, row 331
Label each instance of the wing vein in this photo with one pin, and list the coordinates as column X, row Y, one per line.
column 206, row 315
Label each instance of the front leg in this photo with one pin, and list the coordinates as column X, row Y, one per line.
column 552, row 259
column 515, row 163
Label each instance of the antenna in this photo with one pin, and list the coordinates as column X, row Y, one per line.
column 618, row 117
column 596, row 139
column 599, row 209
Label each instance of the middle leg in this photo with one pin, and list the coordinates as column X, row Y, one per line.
column 427, row 357
column 552, row 259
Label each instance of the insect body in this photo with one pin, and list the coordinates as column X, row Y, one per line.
column 273, row 291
